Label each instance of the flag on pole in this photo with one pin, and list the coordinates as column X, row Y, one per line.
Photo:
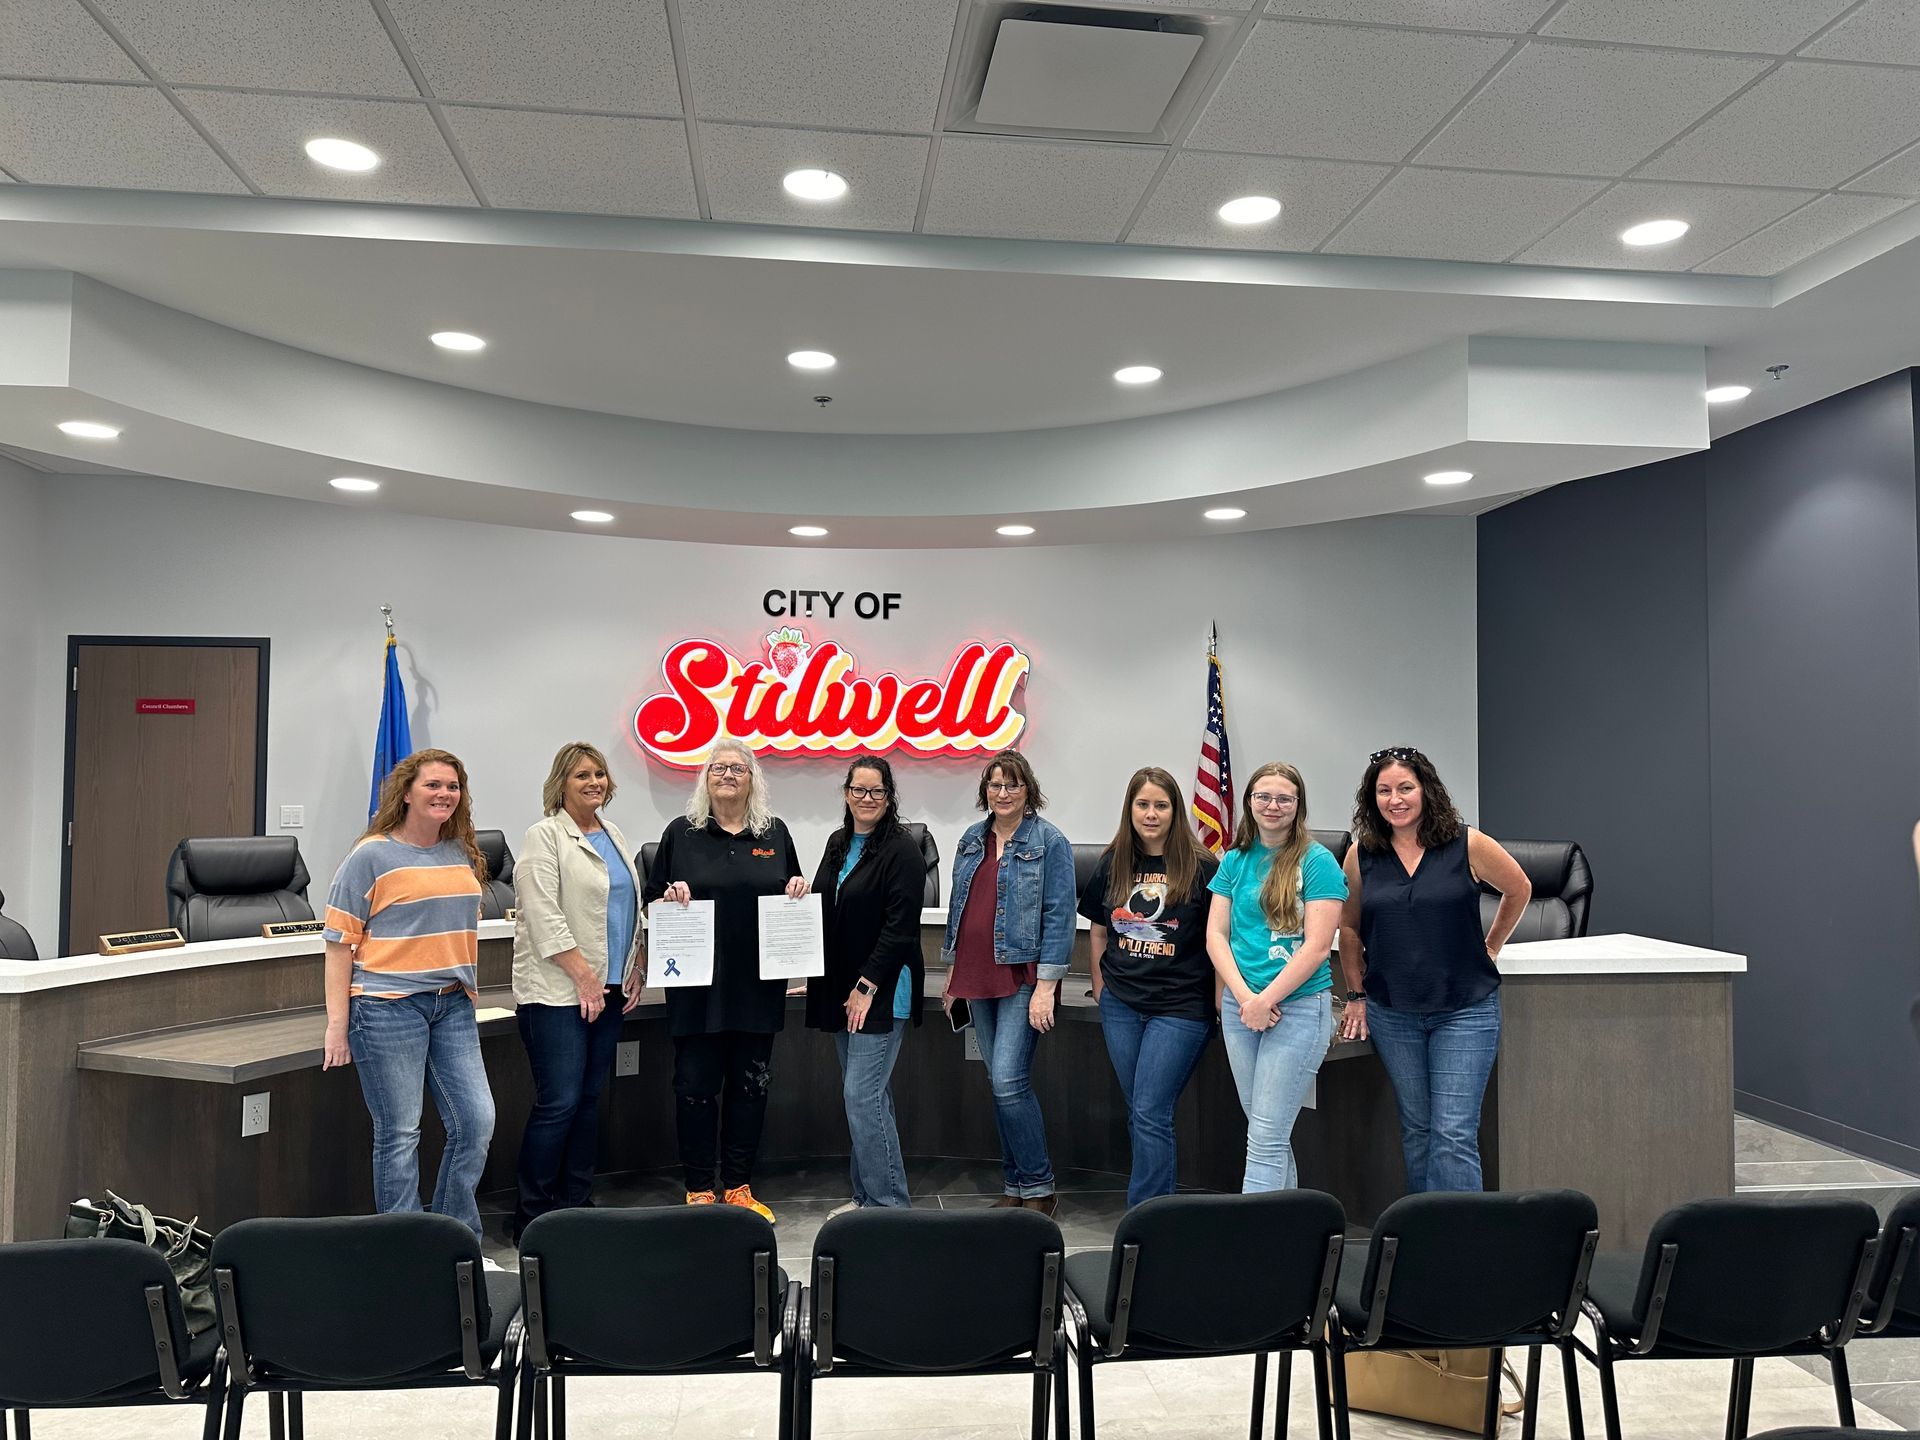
column 1213, row 790
column 393, row 741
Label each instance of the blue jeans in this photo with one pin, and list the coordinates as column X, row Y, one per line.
column 1439, row 1064
column 1273, row 1069
column 570, row 1060
column 1006, row 1044
column 396, row 1044
column 878, row 1171
column 1153, row 1058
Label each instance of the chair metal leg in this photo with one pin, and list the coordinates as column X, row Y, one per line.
column 559, row 1407
column 22, row 1426
column 1042, row 1403
column 1259, row 1398
column 540, row 1394
column 1530, row 1417
column 1742, row 1400
column 1333, row 1362
column 1570, row 1378
column 296, row 1416
column 1061, row 1422
column 785, row 1431
column 1842, row 1386
column 1083, row 1364
column 216, row 1406
column 803, row 1396
column 1490, row 1418
column 1282, row 1393
column 1609, row 1396
column 236, row 1401
column 503, row 1412
column 277, row 1415
column 524, row 1403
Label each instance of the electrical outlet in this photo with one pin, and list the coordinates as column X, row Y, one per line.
column 626, row 1058
column 253, row 1114
column 292, row 817
column 1312, row 1102
column 973, row 1045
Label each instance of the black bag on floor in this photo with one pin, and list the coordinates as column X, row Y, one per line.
column 188, row 1249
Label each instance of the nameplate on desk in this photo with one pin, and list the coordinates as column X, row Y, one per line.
column 291, row 927
column 131, row 942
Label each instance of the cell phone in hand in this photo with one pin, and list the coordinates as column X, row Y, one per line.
column 960, row 1016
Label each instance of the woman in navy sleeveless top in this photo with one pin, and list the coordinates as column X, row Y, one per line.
column 1421, row 982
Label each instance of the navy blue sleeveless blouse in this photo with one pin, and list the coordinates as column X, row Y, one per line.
column 1425, row 949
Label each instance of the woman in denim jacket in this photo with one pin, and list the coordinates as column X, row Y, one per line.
column 1009, row 937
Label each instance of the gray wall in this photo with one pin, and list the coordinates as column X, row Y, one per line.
column 1707, row 671
column 20, row 542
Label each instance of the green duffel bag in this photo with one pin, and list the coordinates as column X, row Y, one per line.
column 188, row 1249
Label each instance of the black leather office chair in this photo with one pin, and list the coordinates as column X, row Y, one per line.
column 930, row 853
column 1338, row 841
column 1086, row 859
column 15, row 942
column 225, row 887
column 1562, row 887
column 496, row 895
column 647, row 852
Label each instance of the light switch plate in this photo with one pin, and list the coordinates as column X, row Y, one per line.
column 292, row 817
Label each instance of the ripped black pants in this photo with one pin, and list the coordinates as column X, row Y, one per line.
column 720, row 1094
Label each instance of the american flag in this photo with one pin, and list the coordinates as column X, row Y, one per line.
column 1213, row 790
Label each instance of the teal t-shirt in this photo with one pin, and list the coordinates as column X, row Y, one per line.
column 1259, row 951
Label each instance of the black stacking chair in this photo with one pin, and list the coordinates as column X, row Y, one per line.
column 1893, row 1297
column 931, row 1292
column 681, row 1290
column 361, row 1302
column 1471, row 1271
column 1736, row 1279
column 97, row 1324
column 1197, row 1275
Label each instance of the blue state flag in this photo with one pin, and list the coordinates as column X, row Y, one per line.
column 393, row 742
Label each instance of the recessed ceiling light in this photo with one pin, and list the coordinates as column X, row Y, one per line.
column 358, row 484
column 1250, row 210
column 1227, row 512
column 1722, row 394
column 457, row 340
column 1137, row 374
column 1014, row 531
column 337, row 154
column 814, row 184
column 1449, row 477
column 811, row 360
column 593, row 517
column 807, row 532
column 1654, row 232
column 89, row 430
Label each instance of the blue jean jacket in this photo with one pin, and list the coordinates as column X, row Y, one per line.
column 1034, row 907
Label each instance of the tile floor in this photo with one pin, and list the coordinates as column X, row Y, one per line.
column 1169, row 1400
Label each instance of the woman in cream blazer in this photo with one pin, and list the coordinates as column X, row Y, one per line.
column 578, row 966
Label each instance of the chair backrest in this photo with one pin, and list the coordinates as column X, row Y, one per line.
column 1225, row 1273
column 1472, row 1267
column 1086, row 859
column 1562, row 890
column 930, row 854
column 15, row 942
column 936, row 1291
column 654, row 1289
column 80, row 1326
column 225, row 887
column 1338, row 841
column 648, row 850
column 359, row 1299
column 496, row 894
column 1906, row 1302
column 1751, row 1274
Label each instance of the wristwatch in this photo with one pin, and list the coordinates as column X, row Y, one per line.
column 866, row 987
column 1353, row 995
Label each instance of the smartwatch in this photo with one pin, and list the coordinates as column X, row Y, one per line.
column 1353, row 995
column 866, row 987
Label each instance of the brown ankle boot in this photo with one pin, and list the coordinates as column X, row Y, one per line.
column 1045, row 1204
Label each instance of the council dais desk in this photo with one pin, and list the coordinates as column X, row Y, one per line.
column 1615, row 1076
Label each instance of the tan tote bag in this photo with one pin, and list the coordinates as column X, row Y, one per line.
column 1441, row 1387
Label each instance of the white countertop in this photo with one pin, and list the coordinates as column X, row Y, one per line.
column 23, row 977
column 1616, row 955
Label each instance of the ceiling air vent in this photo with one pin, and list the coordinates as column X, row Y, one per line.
column 1076, row 72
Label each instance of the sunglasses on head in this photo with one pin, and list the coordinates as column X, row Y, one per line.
column 1395, row 752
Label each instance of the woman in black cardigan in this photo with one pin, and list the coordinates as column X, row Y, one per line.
column 871, row 883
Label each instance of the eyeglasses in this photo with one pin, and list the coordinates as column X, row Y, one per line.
column 1274, row 802
column 724, row 767
column 1005, row 787
column 865, row 792
column 1395, row 752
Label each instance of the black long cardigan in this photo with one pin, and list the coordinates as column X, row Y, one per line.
column 872, row 928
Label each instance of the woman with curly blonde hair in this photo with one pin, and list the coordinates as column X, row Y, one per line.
column 403, row 955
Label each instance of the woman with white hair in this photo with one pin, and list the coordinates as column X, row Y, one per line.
column 731, row 849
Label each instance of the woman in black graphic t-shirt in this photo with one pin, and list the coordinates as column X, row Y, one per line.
column 1147, row 903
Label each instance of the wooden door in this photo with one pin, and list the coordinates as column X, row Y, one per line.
column 166, row 740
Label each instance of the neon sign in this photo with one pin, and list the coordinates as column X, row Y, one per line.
column 811, row 698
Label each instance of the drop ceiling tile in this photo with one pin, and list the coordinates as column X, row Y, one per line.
column 1721, row 215
column 336, row 45
column 266, row 136
column 1887, row 30
column 1585, row 109
column 557, row 54
column 743, row 166
column 1340, row 93
column 58, row 39
column 124, row 136
column 1034, row 190
column 594, row 164
column 1806, row 124
column 1513, row 16
column 1315, row 196
column 1807, row 231
column 1460, row 214
column 856, row 64
column 1898, row 176
column 1770, row 27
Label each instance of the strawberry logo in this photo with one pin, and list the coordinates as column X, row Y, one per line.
column 787, row 651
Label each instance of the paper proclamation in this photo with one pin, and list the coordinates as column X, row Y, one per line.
column 680, row 943
column 792, row 938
